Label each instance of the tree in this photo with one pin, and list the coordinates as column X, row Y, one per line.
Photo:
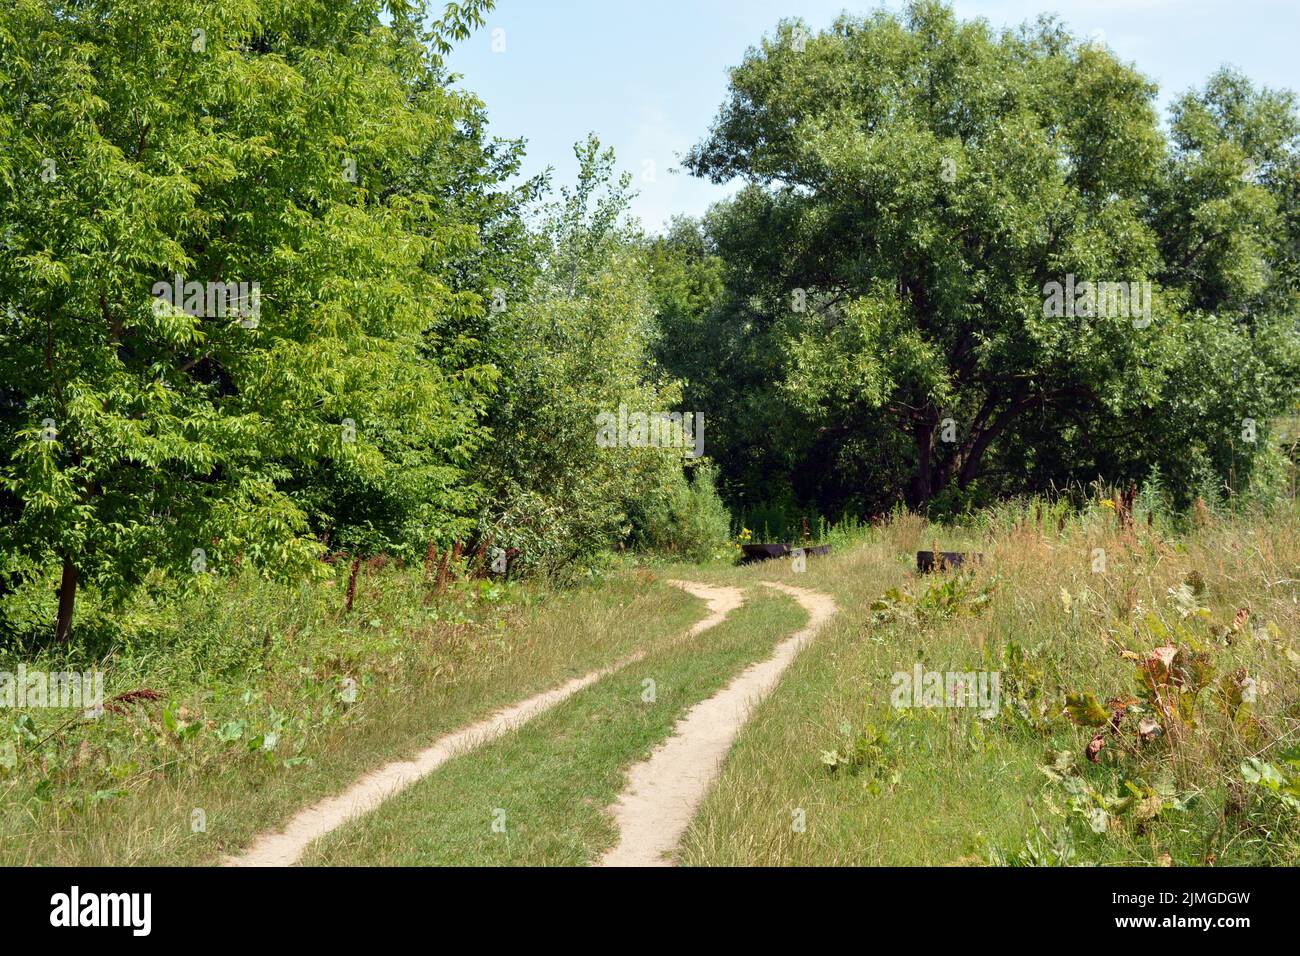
column 269, row 162
column 916, row 185
column 577, row 344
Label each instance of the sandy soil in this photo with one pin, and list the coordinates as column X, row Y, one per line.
column 664, row 791
column 285, row 847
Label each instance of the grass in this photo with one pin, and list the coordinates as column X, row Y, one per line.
column 550, row 783
column 922, row 803
column 826, row 772
column 943, row 786
column 268, row 662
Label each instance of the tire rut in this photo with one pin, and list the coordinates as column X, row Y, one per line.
column 664, row 791
column 286, row 846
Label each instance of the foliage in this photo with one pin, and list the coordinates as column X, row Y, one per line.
column 948, row 597
column 686, row 520
column 912, row 185
column 308, row 148
column 873, row 754
column 580, row 339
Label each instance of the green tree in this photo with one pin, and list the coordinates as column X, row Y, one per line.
column 686, row 285
column 579, row 342
column 914, row 185
column 287, row 145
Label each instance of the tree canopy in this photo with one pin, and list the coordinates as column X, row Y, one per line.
column 271, row 291
column 310, row 155
column 916, row 184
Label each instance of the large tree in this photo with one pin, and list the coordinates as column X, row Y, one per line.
column 916, row 183
column 295, row 146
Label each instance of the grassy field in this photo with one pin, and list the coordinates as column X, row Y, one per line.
column 253, row 721
column 548, row 785
column 1147, row 708
column 1061, row 605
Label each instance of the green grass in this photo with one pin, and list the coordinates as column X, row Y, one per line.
column 555, row 777
column 912, row 786
column 940, row 786
column 272, row 657
column 933, row 812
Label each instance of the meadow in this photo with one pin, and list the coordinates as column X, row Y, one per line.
column 1147, row 713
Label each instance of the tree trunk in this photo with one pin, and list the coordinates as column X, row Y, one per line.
column 67, row 602
column 440, row 582
column 352, row 584
column 923, row 479
column 970, row 466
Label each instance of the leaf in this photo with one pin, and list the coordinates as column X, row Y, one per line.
column 25, row 729
column 1085, row 710
column 1291, row 757
column 1062, row 765
column 1164, row 655
column 231, row 731
column 1148, row 808
column 1262, row 773
column 1192, row 670
column 1063, row 761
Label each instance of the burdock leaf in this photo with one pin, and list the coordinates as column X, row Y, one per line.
column 1095, row 746
column 1084, row 709
column 1148, row 808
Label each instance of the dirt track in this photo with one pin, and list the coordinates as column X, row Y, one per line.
column 285, row 847
column 664, row 791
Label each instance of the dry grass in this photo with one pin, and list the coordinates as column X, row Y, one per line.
column 947, row 787
column 274, row 659
column 1072, row 601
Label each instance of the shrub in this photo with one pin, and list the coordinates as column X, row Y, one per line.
column 686, row 519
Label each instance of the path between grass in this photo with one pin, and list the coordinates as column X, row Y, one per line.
column 541, row 795
column 664, row 791
column 285, row 847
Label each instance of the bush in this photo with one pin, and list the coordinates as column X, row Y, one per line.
column 686, row 519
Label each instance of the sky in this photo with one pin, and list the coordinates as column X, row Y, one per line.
column 648, row 76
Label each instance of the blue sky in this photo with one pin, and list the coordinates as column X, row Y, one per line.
column 647, row 76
